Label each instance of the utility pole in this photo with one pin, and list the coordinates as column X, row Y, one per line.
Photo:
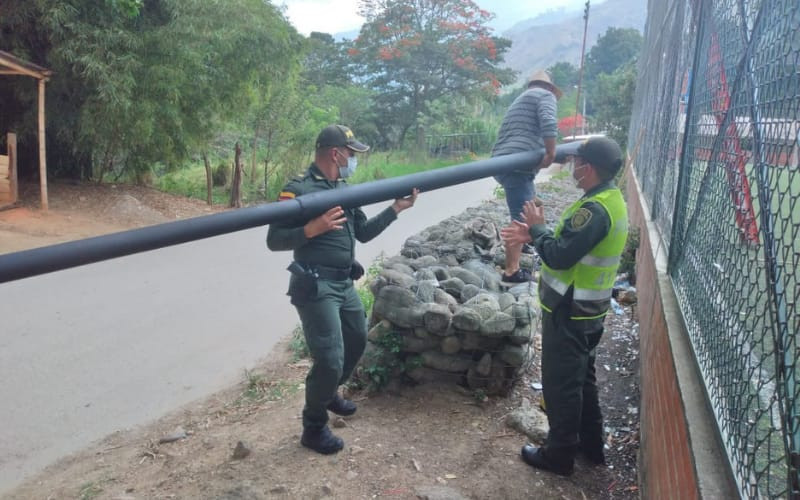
column 580, row 73
column 583, row 120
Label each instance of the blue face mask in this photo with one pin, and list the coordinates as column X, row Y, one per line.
column 350, row 168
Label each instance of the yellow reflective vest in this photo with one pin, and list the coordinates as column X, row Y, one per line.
column 592, row 277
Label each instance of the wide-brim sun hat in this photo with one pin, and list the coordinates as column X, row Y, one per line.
column 541, row 76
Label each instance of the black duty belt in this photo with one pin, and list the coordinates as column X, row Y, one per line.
column 329, row 273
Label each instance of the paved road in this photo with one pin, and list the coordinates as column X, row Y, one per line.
column 91, row 350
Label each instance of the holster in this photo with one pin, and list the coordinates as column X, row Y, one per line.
column 302, row 284
column 356, row 271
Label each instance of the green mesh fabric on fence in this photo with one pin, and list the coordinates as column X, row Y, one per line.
column 715, row 134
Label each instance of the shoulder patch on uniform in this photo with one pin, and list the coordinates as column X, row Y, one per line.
column 581, row 218
column 286, row 195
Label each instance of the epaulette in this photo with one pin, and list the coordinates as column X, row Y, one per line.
column 286, row 195
column 293, row 188
column 289, row 191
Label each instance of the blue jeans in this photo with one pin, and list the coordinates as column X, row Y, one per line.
column 519, row 189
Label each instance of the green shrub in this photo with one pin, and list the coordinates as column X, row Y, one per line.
column 364, row 293
column 221, row 174
column 384, row 362
column 499, row 192
column 298, row 345
column 628, row 258
column 90, row 491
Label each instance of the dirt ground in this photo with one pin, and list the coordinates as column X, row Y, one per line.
column 81, row 211
column 428, row 441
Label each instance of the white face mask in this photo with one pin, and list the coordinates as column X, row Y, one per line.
column 574, row 169
column 350, row 168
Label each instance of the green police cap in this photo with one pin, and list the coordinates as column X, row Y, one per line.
column 339, row 136
column 602, row 152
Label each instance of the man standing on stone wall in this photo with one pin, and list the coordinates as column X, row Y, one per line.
column 579, row 265
column 529, row 124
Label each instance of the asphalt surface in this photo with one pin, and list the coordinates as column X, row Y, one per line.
column 100, row 348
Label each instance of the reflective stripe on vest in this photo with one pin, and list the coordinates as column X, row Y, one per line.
column 592, row 277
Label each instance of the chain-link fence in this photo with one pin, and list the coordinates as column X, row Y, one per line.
column 715, row 137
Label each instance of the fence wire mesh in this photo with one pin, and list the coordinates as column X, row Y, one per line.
column 715, row 131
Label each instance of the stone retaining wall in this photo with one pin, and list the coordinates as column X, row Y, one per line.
column 442, row 299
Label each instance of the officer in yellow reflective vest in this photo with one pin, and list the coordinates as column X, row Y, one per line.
column 579, row 265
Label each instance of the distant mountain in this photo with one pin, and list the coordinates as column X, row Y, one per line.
column 540, row 42
column 510, row 12
column 553, row 16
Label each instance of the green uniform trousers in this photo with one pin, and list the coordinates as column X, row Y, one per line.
column 569, row 383
column 335, row 328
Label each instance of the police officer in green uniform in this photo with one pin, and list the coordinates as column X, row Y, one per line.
column 321, row 281
column 579, row 264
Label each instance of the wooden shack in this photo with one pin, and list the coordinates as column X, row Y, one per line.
column 8, row 174
column 11, row 65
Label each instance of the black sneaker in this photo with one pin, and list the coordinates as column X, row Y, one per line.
column 521, row 276
column 341, row 406
column 321, row 440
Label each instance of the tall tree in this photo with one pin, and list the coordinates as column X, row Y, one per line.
column 202, row 65
column 326, row 62
column 355, row 107
column 138, row 83
column 413, row 52
column 612, row 99
column 564, row 75
column 615, row 48
column 328, row 72
column 88, row 45
column 280, row 112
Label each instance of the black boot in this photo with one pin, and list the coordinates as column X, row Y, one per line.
column 341, row 406
column 593, row 453
column 539, row 458
column 321, row 440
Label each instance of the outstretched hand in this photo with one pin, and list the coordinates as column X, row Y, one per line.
column 516, row 233
column 401, row 204
column 532, row 214
column 332, row 220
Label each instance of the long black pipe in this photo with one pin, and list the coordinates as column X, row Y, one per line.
column 26, row 263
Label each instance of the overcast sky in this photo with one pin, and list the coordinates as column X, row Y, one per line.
column 337, row 16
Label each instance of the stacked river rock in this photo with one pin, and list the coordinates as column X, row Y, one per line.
column 443, row 301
